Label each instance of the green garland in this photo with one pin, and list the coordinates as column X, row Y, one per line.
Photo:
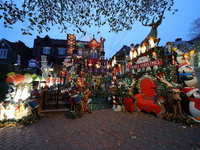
column 28, row 120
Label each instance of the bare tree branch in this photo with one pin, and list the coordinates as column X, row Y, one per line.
column 118, row 14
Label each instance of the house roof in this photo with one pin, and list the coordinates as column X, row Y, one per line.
column 11, row 45
column 54, row 41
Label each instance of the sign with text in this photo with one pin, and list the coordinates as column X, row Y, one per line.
column 147, row 64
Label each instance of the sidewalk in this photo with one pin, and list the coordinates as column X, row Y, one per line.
column 103, row 129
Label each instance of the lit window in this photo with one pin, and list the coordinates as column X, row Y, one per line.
column 46, row 50
column 3, row 53
column 61, row 51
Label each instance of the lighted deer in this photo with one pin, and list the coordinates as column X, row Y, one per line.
column 176, row 97
column 151, row 39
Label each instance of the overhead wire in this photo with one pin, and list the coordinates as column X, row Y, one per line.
column 119, row 42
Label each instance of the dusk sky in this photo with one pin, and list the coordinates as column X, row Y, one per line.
column 172, row 27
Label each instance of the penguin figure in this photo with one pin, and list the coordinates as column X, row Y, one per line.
column 187, row 75
column 194, row 102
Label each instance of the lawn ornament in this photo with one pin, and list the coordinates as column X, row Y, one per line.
column 194, row 102
column 2, row 111
column 25, row 94
column 18, row 93
column 28, row 78
column 142, row 59
column 178, row 56
column 19, row 110
column 148, row 99
column 151, row 39
column 154, row 57
column 176, row 99
column 10, row 111
column 63, row 75
column 187, row 75
column 13, row 77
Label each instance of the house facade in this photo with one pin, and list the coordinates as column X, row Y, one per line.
column 13, row 52
column 57, row 50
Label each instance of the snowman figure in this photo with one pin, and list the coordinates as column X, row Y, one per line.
column 187, row 75
column 194, row 104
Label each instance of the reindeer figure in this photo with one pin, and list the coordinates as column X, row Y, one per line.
column 151, row 38
column 176, row 97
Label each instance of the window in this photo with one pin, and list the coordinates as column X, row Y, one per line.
column 80, row 52
column 3, row 53
column 93, row 54
column 2, row 44
column 61, row 51
column 46, row 50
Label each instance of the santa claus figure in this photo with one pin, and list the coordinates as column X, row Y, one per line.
column 194, row 104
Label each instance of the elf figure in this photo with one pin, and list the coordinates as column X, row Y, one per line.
column 2, row 111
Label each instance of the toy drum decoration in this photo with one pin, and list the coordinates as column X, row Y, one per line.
column 77, row 99
column 33, row 103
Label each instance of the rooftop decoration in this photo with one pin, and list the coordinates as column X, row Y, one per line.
column 93, row 43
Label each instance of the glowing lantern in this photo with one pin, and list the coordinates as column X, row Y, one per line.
column 36, row 77
column 192, row 57
column 151, row 43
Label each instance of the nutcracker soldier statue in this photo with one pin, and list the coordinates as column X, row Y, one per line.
column 63, row 75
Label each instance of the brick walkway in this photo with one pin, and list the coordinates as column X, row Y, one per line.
column 103, row 129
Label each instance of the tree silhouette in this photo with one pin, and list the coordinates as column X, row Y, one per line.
column 195, row 29
column 41, row 15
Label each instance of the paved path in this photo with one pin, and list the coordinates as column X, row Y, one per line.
column 101, row 130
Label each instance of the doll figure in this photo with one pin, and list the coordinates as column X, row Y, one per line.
column 2, row 111
column 10, row 111
column 19, row 109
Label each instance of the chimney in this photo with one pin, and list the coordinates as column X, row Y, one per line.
column 178, row 39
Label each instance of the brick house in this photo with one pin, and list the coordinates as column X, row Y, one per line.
column 57, row 50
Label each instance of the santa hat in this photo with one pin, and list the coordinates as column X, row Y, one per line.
column 182, row 65
column 190, row 91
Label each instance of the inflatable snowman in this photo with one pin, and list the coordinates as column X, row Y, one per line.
column 194, row 104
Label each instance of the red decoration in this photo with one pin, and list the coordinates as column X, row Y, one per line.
column 17, row 78
column 93, row 43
